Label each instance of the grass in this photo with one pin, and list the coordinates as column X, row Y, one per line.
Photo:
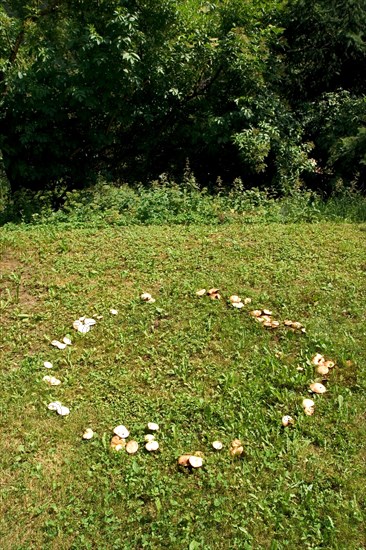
column 200, row 369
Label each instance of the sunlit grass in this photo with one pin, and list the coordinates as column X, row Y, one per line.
column 199, row 368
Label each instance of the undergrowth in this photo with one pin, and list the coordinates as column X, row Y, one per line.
column 165, row 202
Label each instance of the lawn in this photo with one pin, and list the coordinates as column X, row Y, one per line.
column 199, row 368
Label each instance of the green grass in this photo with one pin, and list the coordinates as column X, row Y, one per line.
column 200, row 369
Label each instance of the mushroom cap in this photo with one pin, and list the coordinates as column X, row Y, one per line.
column 116, row 440
column 287, row 323
column 195, row 461
column 317, row 359
column 183, row 460
column 63, row 411
column 234, row 299
column 67, row 341
column 306, row 403
column 236, row 443
column 88, row 434
column 266, row 312
column 153, row 427
column 217, row 445
column 83, row 328
column 145, row 296
column 149, row 437
column 296, row 324
column 322, row 369
column 48, row 365
column 236, row 451
column 212, row 291
column 90, row 321
column 57, row 344
column 54, row 406
column 152, row 446
column 287, row 420
column 317, row 387
column 52, row 380
column 113, row 311
column 329, row 364
column 238, row 305
column 247, row 301
column 132, row 447
column 121, row 431
column 309, row 411
column 256, row 313
column 201, row 292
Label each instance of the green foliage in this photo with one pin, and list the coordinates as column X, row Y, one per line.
column 131, row 90
column 165, row 202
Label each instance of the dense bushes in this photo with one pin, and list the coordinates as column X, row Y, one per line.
column 269, row 92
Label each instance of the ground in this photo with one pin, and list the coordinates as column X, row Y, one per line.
column 199, row 368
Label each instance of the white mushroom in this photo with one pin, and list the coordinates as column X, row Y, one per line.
column 149, row 437
column 88, row 434
column 317, row 359
column 238, row 305
column 52, row 380
column 287, row 421
column 113, row 311
column 48, row 365
column 201, row 292
column 54, row 406
column 58, row 344
column 153, row 427
column 152, row 446
column 90, row 322
column 145, row 296
column 195, row 461
column 63, row 411
column 121, row 431
column 217, row 445
column 83, row 328
column 234, row 299
column 67, row 341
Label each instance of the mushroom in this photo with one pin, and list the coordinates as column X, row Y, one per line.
column 183, row 460
column 149, row 437
column 153, row 427
column 58, row 344
column 217, row 445
column 132, row 447
column 90, row 322
column 67, row 341
column 318, row 388
column 121, row 431
column 256, row 313
column 236, row 451
column 308, row 406
column 201, row 292
column 51, row 380
column 152, row 446
column 235, row 299
column 322, row 369
column 195, row 461
column 238, row 305
column 112, row 311
column 317, row 359
column 287, row 421
column 88, row 434
column 247, row 301
column 48, row 365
